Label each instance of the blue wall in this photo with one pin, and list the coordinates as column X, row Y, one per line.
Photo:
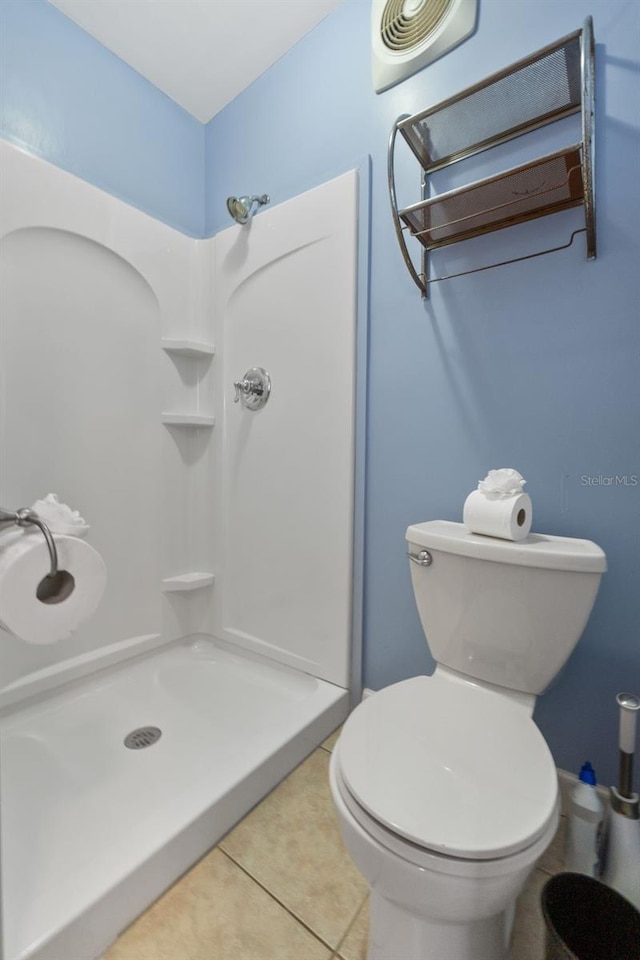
column 66, row 98
column 533, row 365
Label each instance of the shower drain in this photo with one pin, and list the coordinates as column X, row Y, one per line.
column 142, row 737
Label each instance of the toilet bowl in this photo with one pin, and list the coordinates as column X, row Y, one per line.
column 445, row 789
column 446, row 833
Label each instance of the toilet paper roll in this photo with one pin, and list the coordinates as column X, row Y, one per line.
column 508, row 518
column 40, row 609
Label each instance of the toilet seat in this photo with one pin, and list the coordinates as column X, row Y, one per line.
column 449, row 766
column 423, row 858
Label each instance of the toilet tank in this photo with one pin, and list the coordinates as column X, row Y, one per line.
column 504, row 612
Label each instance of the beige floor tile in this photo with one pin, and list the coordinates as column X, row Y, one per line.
column 291, row 844
column 216, row 912
column 552, row 860
column 354, row 946
column 527, row 942
column 330, row 742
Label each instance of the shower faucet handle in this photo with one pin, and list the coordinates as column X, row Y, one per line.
column 254, row 388
column 241, row 388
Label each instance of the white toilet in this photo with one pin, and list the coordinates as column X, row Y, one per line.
column 445, row 789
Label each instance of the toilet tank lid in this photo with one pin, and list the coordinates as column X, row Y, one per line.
column 537, row 550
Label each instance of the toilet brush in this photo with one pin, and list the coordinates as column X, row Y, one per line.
column 622, row 862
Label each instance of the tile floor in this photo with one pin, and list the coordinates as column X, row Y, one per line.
column 280, row 886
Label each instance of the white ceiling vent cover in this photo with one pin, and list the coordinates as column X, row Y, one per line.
column 408, row 34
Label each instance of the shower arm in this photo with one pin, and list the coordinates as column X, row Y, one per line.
column 24, row 517
column 242, row 210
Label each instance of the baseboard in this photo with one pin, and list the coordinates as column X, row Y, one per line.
column 567, row 782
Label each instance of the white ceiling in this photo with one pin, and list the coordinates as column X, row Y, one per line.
column 201, row 53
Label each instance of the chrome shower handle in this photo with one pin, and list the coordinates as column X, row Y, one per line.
column 254, row 388
column 242, row 388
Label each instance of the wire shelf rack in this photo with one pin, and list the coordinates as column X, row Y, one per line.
column 551, row 84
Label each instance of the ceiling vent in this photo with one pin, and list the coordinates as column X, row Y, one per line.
column 409, row 34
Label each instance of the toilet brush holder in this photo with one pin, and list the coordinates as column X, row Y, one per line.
column 622, row 859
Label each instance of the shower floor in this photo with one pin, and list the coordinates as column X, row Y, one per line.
column 93, row 832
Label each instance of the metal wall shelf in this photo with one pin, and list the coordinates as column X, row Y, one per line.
column 535, row 189
column 549, row 85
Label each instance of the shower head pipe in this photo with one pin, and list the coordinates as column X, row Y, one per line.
column 243, row 208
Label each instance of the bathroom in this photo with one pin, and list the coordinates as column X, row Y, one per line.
column 532, row 365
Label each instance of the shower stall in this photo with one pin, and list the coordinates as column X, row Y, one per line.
column 226, row 646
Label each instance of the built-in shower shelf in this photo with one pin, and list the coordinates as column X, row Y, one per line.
column 188, row 348
column 187, row 420
column 185, row 582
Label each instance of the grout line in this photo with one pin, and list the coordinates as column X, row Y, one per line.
column 545, row 872
column 350, row 925
column 284, row 906
column 332, row 734
column 326, row 749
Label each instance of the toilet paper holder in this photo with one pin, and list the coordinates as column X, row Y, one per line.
column 24, row 517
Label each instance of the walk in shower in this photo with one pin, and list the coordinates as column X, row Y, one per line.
column 224, row 649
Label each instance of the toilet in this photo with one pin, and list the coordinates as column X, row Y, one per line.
column 445, row 789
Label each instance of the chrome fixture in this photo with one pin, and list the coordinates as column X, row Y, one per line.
column 551, row 84
column 424, row 558
column 254, row 388
column 25, row 518
column 629, row 706
column 243, row 208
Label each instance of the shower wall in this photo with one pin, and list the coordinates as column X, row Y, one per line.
column 90, row 286
column 210, row 519
column 286, row 301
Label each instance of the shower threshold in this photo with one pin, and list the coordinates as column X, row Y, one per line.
column 93, row 832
